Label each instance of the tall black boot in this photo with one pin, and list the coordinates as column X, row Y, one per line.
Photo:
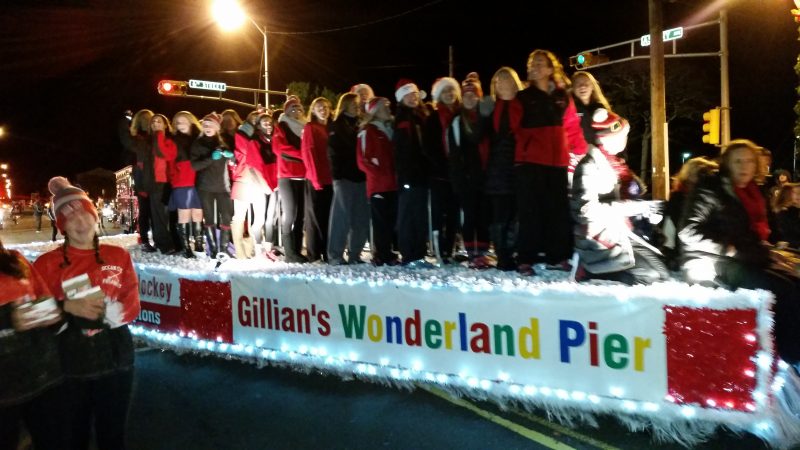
column 185, row 233
column 224, row 240
column 211, row 236
column 197, row 232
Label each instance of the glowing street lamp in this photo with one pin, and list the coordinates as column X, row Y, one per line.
column 230, row 16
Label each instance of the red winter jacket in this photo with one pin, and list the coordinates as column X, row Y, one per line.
column 549, row 129
column 250, row 167
column 164, row 150
column 314, row 149
column 286, row 146
column 375, row 157
column 180, row 173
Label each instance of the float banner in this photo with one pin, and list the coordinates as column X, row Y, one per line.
column 603, row 346
column 159, row 293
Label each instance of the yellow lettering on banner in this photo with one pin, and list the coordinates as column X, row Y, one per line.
column 529, row 341
column 374, row 328
column 449, row 327
column 639, row 346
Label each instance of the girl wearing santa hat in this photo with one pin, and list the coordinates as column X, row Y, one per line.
column 29, row 321
column 319, row 184
column 446, row 93
column 375, row 156
column 96, row 348
column 412, row 174
column 210, row 158
column 291, row 177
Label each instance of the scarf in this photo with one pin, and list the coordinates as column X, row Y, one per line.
column 754, row 204
column 295, row 125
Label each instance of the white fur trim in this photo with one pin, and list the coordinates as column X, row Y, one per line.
column 404, row 90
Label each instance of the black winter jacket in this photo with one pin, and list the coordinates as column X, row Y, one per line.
column 410, row 161
column 500, row 169
column 714, row 221
column 342, row 149
column 142, row 148
column 212, row 176
column 29, row 360
column 788, row 222
column 467, row 174
column 434, row 147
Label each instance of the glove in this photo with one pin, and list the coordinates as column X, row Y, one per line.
column 247, row 128
column 218, row 154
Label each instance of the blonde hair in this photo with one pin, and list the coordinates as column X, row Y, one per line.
column 691, row 171
column 344, row 101
column 311, row 117
column 559, row 77
column 597, row 93
column 139, row 123
column 507, row 71
column 193, row 122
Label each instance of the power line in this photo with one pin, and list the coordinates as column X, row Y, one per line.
column 352, row 27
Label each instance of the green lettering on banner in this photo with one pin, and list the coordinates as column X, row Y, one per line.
column 352, row 322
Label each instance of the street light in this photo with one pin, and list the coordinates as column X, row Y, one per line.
column 230, row 16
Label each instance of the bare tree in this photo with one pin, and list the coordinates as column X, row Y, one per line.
column 689, row 89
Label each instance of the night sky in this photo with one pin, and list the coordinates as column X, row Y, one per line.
column 70, row 68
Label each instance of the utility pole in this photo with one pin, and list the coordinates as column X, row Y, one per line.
column 450, row 62
column 725, row 106
column 658, row 115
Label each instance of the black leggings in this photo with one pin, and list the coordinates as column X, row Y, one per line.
column 292, row 194
column 43, row 417
column 224, row 208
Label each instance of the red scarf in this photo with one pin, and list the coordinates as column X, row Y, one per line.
column 445, row 118
column 754, row 204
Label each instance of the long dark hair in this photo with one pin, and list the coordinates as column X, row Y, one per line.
column 10, row 264
column 66, row 261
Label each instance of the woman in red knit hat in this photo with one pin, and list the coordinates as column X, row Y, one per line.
column 96, row 348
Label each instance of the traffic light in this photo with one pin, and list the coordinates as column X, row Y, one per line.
column 711, row 126
column 171, row 87
column 586, row 59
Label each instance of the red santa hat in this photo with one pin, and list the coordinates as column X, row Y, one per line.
column 213, row 118
column 68, row 198
column 375, row 103
column 607, row 123
column 291, row 100
column 405, row 87
column 441, row 83
column 472, row 84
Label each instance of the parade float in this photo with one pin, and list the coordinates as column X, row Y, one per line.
column 678, row 360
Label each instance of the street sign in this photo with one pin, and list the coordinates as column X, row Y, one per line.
column 208, row 85
column 667, row 35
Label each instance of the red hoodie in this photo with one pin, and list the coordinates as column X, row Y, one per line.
column 286, row 146
column 314, row 149
column 32, row 285
column 374, row 144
